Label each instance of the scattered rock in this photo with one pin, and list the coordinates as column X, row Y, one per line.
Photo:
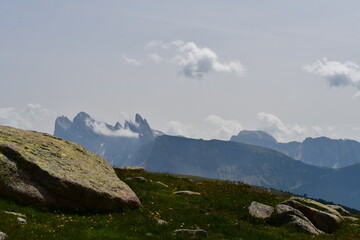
column 186, row 192
column 260, row 210
column 322, row 220
column 293, row 217
column 340, row 210
column 137, row 179
column 134, row 169
column 2, row 236
column 37, row 168
column 21, row 220
column 317, row 205
column 350, row 218
column 197, row 232
column 16, row 214
column 161, row 222
column 162, row 184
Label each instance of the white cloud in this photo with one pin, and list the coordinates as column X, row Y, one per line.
column 131, row 61
column 222, row 129
column 212, row 127
column 156, row 58
column 336, row 73
column 177, row 128
column 195, row 62
column 285, row 132
column 281, row 131
column 102, row 129
column 32, row 117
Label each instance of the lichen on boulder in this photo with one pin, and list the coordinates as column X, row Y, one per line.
column 37, row 168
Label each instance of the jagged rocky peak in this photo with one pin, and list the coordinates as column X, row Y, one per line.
column 139, row 119
column 62, row 125
column 81, row 117
column 63, row 122
column 118, row 126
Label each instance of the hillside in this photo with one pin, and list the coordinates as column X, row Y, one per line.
column 221, row 210
column 227, row 160
column 320, row 151
column 341, row 187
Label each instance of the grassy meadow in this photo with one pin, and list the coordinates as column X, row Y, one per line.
column 221, row 210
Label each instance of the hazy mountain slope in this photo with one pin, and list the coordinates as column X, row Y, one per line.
column 117, row 144
column 227, row 160
column 320, row 151
column 341, row 187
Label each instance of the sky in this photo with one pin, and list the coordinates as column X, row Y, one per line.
column 202, row 69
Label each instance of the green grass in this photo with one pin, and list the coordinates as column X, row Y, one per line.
column 221, row 210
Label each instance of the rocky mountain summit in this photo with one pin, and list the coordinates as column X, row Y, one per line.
column 117, row 144
column 321, row 151
column 37, row 168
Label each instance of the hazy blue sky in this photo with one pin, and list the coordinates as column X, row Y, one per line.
column 198, row 68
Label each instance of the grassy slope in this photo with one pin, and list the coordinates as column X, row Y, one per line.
column 221, row 210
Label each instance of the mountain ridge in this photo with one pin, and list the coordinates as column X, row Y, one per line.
column 320, row 151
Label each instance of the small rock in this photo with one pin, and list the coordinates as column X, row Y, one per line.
column 162, row 184
column 134, row 169
column 350, row 218
column 2, row 236
column 340, row 210
column 197, row 232
column 21, row 220
column 161, row 222
column 137, row 179
column 16, row 214
column 186, row 192
column 260, row 210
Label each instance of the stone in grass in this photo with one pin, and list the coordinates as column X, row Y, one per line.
column 340, row 210
column 15, row 214
column 21, row 220
column 290, row 216
column 186, row 192
column 161, row 222
column 260, row 210
column 37, row 168
column 350, row 218
column 162, row 184
column 2, row 236
column 133, row 169
column 322, row 217
column 191, row 232
column 137, row 179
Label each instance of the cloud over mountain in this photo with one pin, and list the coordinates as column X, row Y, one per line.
column 212, row 127
column 102, row 129
column 281, row 131
column 336, row 73
column 194, row 61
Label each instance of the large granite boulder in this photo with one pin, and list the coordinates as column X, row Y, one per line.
column 323, row 217
column 288, row 215
column 37, row 168
column 259, row 210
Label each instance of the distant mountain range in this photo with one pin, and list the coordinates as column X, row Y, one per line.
column 117, row 144
column 136, row 143
column 321, row 151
